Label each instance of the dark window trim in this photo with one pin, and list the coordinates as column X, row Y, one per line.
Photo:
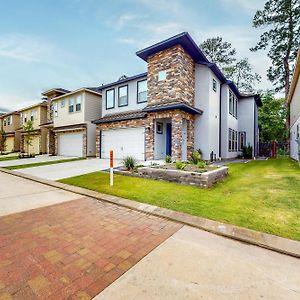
column 137, row 91
column 107, row 108
column 125, row 85
column 245, row 137
column 162, row 128
column 215, row 88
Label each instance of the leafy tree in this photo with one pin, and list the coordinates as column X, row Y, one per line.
column 218, row 51
column 28, row 136
column 282, row 39
column 3, row 137
column 272, row 118
column 243, row 75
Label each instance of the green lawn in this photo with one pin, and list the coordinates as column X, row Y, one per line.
column 43, row 163
column 8, row 157
column 260, row 195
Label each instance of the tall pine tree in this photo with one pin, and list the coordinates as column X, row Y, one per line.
column 282, row 17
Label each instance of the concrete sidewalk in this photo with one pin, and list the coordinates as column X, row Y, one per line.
column 194, row 264
column 19, row 194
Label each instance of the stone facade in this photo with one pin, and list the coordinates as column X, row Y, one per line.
column 177, row 116
column 179, row 85
column 51, row 142
column 79, row 130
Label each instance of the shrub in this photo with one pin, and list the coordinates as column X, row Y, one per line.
column 195, row 157
column 180, row 165
column 129, row 162
column 168, row 159
column 201, row 164
column 247, row 151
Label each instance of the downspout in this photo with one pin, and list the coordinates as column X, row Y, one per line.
column 220, row 122
column 254, row 132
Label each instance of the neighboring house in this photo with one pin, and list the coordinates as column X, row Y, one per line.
column 294, row 102
column 37, row 114
column 182, row 103
column 48, row 125
column 10, row 123
column 71, row 132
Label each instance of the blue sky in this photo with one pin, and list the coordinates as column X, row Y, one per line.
column 75, row 43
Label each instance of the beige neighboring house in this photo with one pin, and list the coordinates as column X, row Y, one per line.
column 10, row 123
column 74, row 133
column 37, row 114
column 294, row 101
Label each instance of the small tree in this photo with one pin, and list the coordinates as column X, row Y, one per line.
column 3, row 137
column 28, row 137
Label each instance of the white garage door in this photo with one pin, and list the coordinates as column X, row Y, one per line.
column 128, row 141
column 70, row 144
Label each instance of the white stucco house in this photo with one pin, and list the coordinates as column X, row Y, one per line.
column 294, row 101
column 183, row 102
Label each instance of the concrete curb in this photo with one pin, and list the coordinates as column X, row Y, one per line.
column 268, row 241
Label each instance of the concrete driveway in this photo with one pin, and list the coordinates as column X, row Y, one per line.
column 75, row 168
column 37, row 159
column 69, row 169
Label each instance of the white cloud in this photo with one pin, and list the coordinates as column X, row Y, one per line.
column 249, row 6
column 125, row 19
column 28, row 49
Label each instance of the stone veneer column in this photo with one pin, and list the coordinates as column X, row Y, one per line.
column 98, row 129
column 179, row 86
column 177, row 136
column 149, row 137
column 190, row 137
column 51, row 142
column 84, row 141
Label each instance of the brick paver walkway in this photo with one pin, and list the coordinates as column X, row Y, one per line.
column 73, row 250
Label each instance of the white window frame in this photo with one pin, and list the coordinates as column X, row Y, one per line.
column 78, row 102
column 140, row 93
column 71, row 105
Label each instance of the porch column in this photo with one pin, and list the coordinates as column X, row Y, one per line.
column 177, row 136
column 190, row 137
column 149, row 138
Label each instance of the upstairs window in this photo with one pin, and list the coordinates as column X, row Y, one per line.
column 214, row 85
column 56, row 109
column 78, row 103
column 71, row 105
column 162, row 75
column 233, row 104
column 110, row 99
column 32, row 116
column 142, row 91
column 62, row 103
column 298, row 132
column 9, row 120
column 25, row 118
column 123, row 96
column 4, row 122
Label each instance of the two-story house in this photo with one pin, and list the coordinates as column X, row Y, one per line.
column 294, row 102
column 182, row 103
column 48, row 126
column 71, row 132
column 37, row 114
column 10, row 123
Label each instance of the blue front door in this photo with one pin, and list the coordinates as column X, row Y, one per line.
column 169, row 139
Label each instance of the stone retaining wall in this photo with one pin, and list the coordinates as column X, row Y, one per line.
column 203, row 180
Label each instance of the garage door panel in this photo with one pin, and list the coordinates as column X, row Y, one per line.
column 9, row 144
column 70, row 144
column 124, row 142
